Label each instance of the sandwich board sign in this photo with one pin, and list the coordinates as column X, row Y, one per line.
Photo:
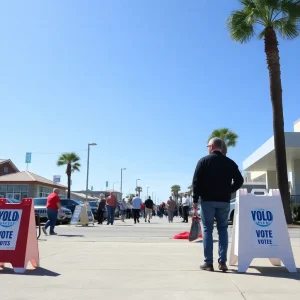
column 81, row 216
column 260, row 231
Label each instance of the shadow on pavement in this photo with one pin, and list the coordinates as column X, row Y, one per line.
column 35, row 272
column 275, row 272
column 201, row 241
column 70, row 235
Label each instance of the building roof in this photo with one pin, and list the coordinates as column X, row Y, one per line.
column 5, row 160
column 28, row 177
column 263, row 159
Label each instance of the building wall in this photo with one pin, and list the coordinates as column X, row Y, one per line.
column 6, row 169
column 297, row 126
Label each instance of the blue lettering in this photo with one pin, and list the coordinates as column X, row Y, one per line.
column 6, row 234
column 259, row 216
column 252, row 212
column 269, row 216
column 264, row 233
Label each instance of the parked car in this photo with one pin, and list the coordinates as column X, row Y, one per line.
column 94, row 207
column 12, row 201
column 70, row 203
column 41, row 210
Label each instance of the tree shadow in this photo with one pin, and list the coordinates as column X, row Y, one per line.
column 30, row 272
column 275, row 272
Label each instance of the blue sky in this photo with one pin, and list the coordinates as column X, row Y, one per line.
column 146, row 80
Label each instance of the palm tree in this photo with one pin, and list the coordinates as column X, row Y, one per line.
column 72, row 162
column 229, row 138
column 190, row 190
column 139, row 189
column 175, row 189
column 272, row 16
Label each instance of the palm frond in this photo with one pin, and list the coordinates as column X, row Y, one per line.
column 287, row 28
column 241, row 26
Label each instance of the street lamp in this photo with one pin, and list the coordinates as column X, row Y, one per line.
column 87, row 170
column 148, row 187
column 136, row 184
column 122, row 169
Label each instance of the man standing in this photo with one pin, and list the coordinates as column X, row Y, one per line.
column 53, row 205
column 111, row 204
column 148, row 209
column 136, row 203
column 171, row 205
column 185, row 207
column 216, row 178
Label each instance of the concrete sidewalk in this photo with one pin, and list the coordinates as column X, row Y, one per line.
column 140, row 262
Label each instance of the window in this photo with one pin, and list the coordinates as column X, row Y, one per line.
column 3, row 188
column 40, row 201
column 24, row 188
column 45, row 191
column 17, row 188
column 5, row 169
column 10, row 188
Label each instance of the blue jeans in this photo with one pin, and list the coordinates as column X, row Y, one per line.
column 110, row 214
column 209, row 211
column 52, row 217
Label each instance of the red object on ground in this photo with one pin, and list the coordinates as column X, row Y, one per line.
column 18, row 241
column 183, row 236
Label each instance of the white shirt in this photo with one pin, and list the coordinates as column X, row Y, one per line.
column 186, row 201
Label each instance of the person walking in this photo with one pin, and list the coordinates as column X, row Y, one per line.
column 53, row 205
column 143, row 210
column 101, row 208
column 129, row 209
column 111, row 204
column 171, row 205
column 136, row 204
column 148, row 209
column 185, row 208
column 123, row 207
column 216, row 177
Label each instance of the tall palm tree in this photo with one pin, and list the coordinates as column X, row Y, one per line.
column 272, row 17
column 190, row 190
column 72, row 162
column 139, row 189
column 229, row 137
column 175, row 189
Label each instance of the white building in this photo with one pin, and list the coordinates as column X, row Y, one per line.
column 261, row 167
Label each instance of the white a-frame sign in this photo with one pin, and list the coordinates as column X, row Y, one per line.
column 260, row 231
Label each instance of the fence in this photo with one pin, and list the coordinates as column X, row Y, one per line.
column 295, row 199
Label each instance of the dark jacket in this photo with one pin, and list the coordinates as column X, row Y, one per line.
column 102, row 204
column 213, row 178
column 149, row 203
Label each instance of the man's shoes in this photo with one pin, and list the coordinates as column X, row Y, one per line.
column 53, row 233
column 148, row 221
column 44, row 230
column 207, row 267
column 107, row 223
column 138, row 221
column 223, row 267
column 145, row 220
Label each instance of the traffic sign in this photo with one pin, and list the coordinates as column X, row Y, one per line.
column 28, row 158
column 56, row 179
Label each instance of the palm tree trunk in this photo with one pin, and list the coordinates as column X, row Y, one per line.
column 273, row 61
column 69, row 180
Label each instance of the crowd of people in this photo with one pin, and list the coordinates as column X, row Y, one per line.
column 137, row 209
